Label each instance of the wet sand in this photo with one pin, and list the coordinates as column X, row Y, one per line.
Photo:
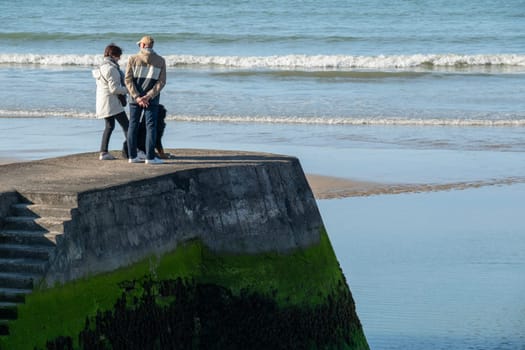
column 327, row 187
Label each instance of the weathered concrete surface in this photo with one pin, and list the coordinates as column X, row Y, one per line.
column 121, row 213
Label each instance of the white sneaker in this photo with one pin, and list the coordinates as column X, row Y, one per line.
column 135, row 160
column 106, row 156
column 141, row 155
column 154, row 161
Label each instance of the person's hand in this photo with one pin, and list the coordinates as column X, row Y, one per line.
column 143, row 101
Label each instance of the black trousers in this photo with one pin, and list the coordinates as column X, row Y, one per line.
column 122, row 119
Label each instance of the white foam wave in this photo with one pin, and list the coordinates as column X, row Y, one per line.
column 287, row 61
column 46, row 114
column 352, row 121
column 348, row 62
column 284, row 120
column 51, row 60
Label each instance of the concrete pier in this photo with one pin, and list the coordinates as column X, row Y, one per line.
column 117, row 213
column 76, row 233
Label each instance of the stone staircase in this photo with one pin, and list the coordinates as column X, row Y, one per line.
column 27, row 238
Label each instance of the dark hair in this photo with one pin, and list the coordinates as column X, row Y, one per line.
column 112, row 50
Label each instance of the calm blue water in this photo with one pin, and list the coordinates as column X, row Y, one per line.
column 432, row 271
column 391, row 91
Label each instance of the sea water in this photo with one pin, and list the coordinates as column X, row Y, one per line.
column 332, row 62
column 435, row 271
column 419, row 92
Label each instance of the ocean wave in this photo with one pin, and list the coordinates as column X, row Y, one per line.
column 353, row 121
column 372, row 121
column 289, row 62
column 51, row 60
column 170, row 38
column 4, row 113
column 347, row 62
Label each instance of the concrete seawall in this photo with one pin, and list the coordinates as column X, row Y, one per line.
column 202, row 250
column 120, row 213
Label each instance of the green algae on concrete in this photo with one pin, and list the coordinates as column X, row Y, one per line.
column 305, row 279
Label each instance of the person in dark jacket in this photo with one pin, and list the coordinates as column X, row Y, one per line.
column 145, row 78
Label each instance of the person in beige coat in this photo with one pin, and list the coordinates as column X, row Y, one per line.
column 111, row 99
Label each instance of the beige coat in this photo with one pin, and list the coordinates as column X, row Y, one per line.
column 109, row 85
column 145, row 74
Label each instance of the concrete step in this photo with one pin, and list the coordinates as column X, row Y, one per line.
column 8, row 311
column 18, row 280
column 21, row 209
column 14, row 295
column 52, row 199
column 40, row 211
column 30, row 237
column 25, row 251
column 21, row 223
column 23, row 265
column 32, row 223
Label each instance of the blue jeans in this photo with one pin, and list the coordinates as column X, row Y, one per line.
column 150, row 115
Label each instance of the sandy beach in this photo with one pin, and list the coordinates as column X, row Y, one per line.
column 328, row 187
